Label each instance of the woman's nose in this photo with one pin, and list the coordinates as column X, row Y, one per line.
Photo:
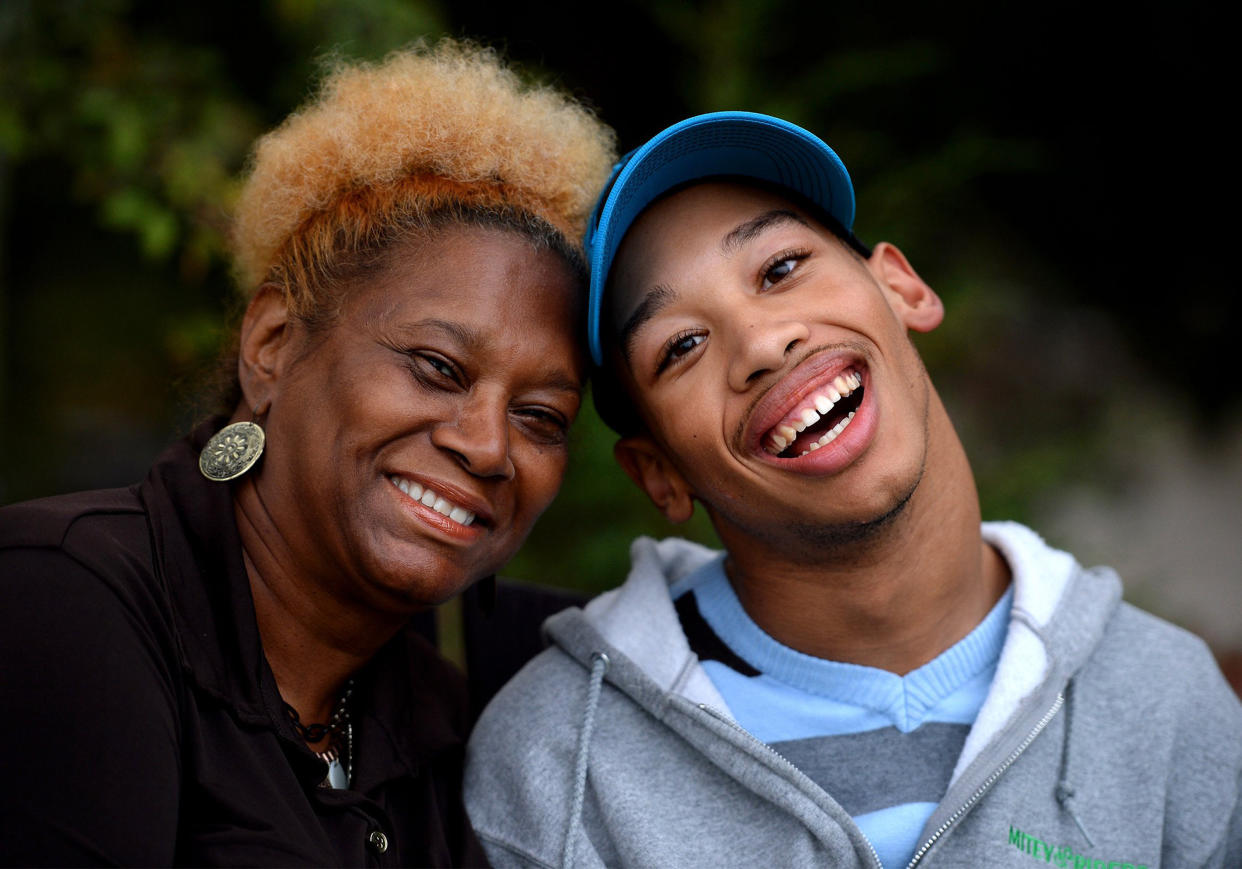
column 763, row 346
column 478, row 438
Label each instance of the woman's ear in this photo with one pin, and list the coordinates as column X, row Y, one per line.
column 910, row 297
column 648, row 466
column 264, row 342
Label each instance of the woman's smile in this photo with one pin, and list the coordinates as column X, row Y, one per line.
column 429, row 507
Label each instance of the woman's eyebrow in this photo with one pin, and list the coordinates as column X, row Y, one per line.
column 469, row 338
column 744, row 232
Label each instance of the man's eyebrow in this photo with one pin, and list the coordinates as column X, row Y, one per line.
column 744, row 232
column 658, row 297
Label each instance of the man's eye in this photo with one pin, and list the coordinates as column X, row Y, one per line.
column 679, row 347
column 779, row 271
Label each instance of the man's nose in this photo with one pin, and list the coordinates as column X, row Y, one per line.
column 763, row 346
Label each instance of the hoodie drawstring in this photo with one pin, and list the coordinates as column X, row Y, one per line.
column 599, row 665
column 1065, row 790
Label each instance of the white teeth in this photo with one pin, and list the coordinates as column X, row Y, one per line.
column 785, row 434
column 428, row 498
column 414, row 490
column 831, row 434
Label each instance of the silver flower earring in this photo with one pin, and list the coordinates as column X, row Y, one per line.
column 232, row 451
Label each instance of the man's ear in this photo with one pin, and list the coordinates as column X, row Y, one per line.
column 911, row 298
column 647, row 465
column 264, row 346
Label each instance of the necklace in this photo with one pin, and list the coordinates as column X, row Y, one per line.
column 339, row 731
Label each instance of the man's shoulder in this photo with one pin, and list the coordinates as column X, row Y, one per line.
column 1165, row 668
column 520, row 758
column 1160, row 647
column 536, row 700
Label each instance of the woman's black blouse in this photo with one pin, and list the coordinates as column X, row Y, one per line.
column 140, row 724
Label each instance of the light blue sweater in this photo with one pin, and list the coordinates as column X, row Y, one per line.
column 858, row 732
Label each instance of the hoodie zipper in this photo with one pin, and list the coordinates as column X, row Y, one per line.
column 780, row 757
column 991, row 780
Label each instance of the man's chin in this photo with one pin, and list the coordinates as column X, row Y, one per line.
column 814, row 537
column 857, row 532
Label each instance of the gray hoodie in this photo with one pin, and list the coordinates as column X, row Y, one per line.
column 1108, row 740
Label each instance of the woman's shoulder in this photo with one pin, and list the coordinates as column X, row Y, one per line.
column 94, row 545
column 90, row 680
column 71, row 522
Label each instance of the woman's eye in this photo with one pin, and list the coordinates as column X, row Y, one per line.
column 440, row 366
column 679, row 347
column 546, row 425
column 779, row 271
column 433, row 368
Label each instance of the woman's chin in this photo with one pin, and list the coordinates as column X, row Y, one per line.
column 411, row 581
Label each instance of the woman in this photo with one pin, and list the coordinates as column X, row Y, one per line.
column 213, row 666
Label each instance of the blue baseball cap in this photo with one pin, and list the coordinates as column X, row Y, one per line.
column 739, row 144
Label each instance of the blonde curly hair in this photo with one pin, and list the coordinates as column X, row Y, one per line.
column 429, row 135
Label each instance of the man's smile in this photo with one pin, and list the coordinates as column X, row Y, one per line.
column 813, row 406
column 817, row 419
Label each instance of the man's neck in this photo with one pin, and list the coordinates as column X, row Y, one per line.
column 894, row 600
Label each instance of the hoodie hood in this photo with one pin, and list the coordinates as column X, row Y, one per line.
column 1059, row 614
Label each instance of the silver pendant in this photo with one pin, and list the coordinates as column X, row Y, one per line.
column 232, row 451
column 336, row 775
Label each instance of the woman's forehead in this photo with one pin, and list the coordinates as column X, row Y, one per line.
column 472, row 271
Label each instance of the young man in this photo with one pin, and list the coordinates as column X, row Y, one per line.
column 867, row 675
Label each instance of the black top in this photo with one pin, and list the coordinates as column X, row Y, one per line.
column 140, row 723
column 703, row 640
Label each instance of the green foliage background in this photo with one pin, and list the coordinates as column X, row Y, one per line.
column 1061, row 174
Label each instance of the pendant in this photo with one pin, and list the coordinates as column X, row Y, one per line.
column 232, row 451
column 336, row 775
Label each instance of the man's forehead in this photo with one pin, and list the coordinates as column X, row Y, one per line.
column 706, row 218
column 714, row 204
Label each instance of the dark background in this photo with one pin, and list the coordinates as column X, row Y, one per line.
column 1063, row 174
